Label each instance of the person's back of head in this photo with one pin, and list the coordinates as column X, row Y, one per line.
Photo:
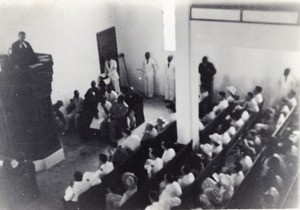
column 126, row 132
column 185, row 169
column 93, row 84
column 170, row 58
column 153, row 196
column 103, row 158
column 109, row 88
column 114, row 144
column 258, row 89
column 222, row 94
column 76, row 93
column 121, row 99
column 57, row 105
column 166, row 145
column 205, row 59
column 291, row 94
column 249, row 96
column 149, row 127
column 170, row 178
column 77, row 176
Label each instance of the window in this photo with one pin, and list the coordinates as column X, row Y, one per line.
column 169, row 30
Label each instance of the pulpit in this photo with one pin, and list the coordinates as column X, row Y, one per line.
column 27, row 122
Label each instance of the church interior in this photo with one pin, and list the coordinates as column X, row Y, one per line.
column 149, row 104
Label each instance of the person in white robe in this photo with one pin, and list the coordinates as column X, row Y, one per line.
column 149, row 68
column 170, row 79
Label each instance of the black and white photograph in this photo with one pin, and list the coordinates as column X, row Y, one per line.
column 149, row 104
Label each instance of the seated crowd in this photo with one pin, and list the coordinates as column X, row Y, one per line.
column 218, row 188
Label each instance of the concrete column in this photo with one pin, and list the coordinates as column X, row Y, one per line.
column 186, row 79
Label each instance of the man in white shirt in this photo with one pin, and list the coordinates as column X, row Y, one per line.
column 154, row 164
column 76, row 103
column 169, row 152
column 188, row 177
column 131, row 142
column 223, row 104
column 287, row 82
column 111, row 71
column 76, row 189
column 257, row 95
column 170, row 80
column 149, row 67
column 105, row 166
column 251, row 103
column 103, row 108
column 110, row 95
column 167, row 204
column 94, row 178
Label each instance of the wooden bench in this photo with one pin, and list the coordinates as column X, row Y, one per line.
column 140, row 199
column 249, row 185
column 94, row 198
column 191, row 193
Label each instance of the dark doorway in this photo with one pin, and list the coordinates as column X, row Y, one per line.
column 107, row 44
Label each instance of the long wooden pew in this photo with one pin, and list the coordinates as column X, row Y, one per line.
column 140, row 199
column 247, row 192
column 217, row 121
column 190, row 193
column 94, row 198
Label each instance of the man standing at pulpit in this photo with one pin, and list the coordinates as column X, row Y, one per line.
column 22, row 53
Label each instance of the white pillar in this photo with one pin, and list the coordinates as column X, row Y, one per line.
column 186, row 79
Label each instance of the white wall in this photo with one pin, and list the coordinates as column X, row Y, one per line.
column 139, row 29
column 246, row 55
column 65, row 29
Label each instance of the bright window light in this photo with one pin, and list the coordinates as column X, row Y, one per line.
column 169, row 32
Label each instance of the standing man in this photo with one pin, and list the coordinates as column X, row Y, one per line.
column 170, row 80
column 207, row 72
column 22, row 53
column 149, row 67
column 287, row 83
column 76, row 107
column 111, row 71
column 118, row 118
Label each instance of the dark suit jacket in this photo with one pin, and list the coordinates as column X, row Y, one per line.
column 207, row 71
column 22, row 56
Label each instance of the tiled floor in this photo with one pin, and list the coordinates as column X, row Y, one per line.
column 81, row 156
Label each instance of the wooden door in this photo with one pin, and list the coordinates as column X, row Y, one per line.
column 107, row 45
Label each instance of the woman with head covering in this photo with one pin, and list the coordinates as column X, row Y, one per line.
column 115, row 201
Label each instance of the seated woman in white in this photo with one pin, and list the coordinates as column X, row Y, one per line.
column 115, row 201
column 258, row 94
column 75, row 189
column 187, row 178
column 154, row 164
column 131, row 142
column 103, row 109
column 172, row 189
column 237, row 175
column 161, row 123
column 223, row 104
column 166, row 204
column 169, row 152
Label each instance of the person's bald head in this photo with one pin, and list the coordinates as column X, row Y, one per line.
column 170, row 58
column 286, row 72
column 147, row 55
